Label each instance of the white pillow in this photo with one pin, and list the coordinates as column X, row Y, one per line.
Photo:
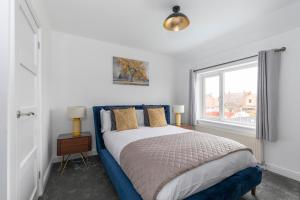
column 105, row 120
column 140, row 117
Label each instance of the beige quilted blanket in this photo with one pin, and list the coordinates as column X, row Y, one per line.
column 153, row 162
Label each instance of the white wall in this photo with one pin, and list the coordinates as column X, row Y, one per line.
column 82, row 75
column 281, row 156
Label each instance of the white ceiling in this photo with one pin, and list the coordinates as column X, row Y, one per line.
column 138, row 23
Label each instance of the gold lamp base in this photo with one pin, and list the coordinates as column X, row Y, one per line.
column 76, row 127
column 178, row 119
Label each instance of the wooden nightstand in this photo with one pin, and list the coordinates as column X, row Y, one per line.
column 186, row 126
column 68, row 145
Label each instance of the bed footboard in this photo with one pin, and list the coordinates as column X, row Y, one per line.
column 232, row 188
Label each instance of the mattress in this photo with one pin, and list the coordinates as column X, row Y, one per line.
column 192, row 181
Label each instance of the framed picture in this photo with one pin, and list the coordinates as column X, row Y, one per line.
column 130, row 72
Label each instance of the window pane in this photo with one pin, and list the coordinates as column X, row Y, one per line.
column 240, row 88
column 211, row 107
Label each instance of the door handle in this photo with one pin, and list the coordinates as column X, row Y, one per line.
column 20, row 114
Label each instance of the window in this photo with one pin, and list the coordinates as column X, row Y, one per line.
column 211, row 93
column 229, row 94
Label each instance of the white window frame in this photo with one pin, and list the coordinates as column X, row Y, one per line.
column 221, row 122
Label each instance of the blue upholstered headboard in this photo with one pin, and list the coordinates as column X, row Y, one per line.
column 97, row 120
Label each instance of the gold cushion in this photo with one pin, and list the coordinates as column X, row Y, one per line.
column 157, row 117
column 125, row 119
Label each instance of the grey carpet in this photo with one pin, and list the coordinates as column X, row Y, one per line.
column 79, row 182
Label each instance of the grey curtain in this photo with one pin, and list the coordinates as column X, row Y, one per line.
column 193, row 109
column 267, row 95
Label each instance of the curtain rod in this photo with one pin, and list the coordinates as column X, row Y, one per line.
column 276, row 50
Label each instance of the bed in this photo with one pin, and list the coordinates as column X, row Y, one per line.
column 229, row 183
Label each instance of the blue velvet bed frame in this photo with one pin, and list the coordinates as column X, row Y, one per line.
column 232, row 188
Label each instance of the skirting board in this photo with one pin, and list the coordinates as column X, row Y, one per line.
column 46, row 177
column 58, row 158
column 283, row 171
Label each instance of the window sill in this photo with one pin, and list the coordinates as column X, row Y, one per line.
column 227, row 127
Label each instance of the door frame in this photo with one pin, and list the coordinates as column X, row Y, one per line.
column 5, row 62
column 13, row 120
column 40, row 182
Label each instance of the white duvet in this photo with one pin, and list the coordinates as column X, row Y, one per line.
column 191, row 181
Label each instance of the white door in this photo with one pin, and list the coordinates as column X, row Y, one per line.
column 26, row 84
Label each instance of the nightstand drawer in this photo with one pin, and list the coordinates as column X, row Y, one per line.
column 75, row 141
column 70, row 149
column 73, row 145
column 186, row 126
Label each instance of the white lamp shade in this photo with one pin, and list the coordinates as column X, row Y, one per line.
column 76, row 111
column 178, row 109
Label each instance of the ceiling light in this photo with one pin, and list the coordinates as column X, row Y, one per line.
column 176, row 21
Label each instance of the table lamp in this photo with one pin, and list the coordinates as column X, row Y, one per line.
column 178, row 109
column 76, row 113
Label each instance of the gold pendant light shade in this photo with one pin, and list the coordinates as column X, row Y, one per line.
column 176, row 21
